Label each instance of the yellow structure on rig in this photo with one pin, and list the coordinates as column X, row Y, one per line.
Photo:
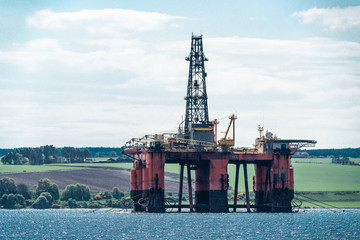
column 226, row 142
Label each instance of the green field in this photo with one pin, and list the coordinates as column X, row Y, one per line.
column 326, row 177
column 59, row 167
column 346, row 204
column 32, row 168
column 357, row 160
column 312, row 160
column 110, row 165
column 320, row 160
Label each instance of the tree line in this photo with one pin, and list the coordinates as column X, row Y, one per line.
column 45, row 155
column 50, row 154
column 104, row 151
column 33, row 156
column 342, row 152
column 47, row 195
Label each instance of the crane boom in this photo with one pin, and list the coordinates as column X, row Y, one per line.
column 228, row 142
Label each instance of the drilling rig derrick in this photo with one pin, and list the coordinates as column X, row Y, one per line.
column 197, row 125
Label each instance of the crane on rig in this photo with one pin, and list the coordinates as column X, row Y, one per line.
column 226, row 142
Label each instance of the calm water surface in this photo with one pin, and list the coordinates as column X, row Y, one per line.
column 114, row 224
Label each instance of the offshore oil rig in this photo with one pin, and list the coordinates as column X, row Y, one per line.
column 195, row 146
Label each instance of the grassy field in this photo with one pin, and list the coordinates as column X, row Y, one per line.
column 353, row 204
column 312, row 160
column 329, row 198
column 326, row 177
column 319, row 160
column 32, row 168
column 115, row 165
column 59, row 167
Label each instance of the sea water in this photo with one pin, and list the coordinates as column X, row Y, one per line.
column 118, row 224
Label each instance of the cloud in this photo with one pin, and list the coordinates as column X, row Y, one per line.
column 135, row 60
column 310, row 47
column 102, row 22
column 117, row 83
column 306, row 88
column 88, row 122
column 280, row 66
column 332, row 18
column 283, row 68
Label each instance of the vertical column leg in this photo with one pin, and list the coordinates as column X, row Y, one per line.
column 181, row 185
column 246, row 188
column 261, row 187
column 190, row 188
column 282, row 192
column 155, row 163
column 270, row 190
column 266, row 198
column 218, row 199
column 202, row 193
column 136, row 186
column 236, row 185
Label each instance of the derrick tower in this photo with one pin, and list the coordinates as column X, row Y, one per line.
column 196, row 98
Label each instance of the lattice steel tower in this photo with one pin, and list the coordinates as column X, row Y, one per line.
column 196, row 98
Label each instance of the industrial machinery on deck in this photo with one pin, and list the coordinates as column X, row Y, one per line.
column 226, row 142
column 196, row 147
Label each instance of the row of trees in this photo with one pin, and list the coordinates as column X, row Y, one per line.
column 33, row 156
column 104, row 151
column 47, row 195
column 45, row 155
column 75, row 155
column 344, row 152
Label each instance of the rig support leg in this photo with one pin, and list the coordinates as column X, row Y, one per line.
column 190, row 188
column 202, row 187
column 282, row 183
column 153, row 182
column 246, row 188
column 236, row 185
column 262, row 180
column 181, row 185
column 136, row 186
column 267, row 186
column 218, row 201
column 274, row 185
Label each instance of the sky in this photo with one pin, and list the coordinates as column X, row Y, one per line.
column 98, row 73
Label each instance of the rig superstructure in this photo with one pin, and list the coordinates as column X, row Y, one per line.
column 196, row 147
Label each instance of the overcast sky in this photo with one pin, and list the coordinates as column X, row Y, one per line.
column 97, row 73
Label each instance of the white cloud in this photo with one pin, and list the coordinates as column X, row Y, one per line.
column 332, row 18
column 107, row 88
column 280, row 66
column 307, row 88
column 106, row 21
column 143, row 62
column 30, row 122
column 310, row 47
